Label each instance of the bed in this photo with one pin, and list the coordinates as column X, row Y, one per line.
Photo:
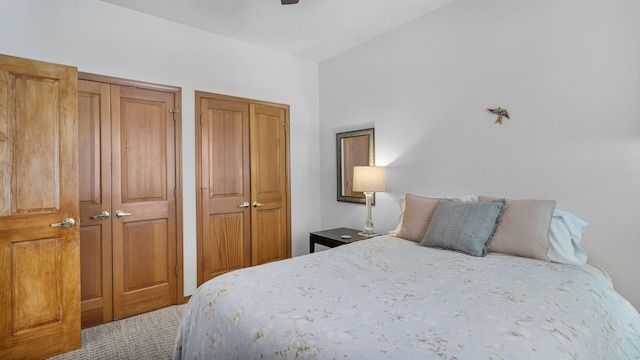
column 390, row 297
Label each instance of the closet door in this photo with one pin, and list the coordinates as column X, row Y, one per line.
column 269, row 222
column 129, row 138
column 243, row 214
column 143, row 200
column 94, row 121
column 225, row 193
column 39, row 260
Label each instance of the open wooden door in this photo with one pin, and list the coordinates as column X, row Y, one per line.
column 39, row 240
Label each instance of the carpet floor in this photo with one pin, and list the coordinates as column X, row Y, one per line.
column 145, row 336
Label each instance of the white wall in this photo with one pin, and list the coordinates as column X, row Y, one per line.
column 568, row 71
column 105, row 39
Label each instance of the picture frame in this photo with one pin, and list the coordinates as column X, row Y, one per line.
column 353, row 148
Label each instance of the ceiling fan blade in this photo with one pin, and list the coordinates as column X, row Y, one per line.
column 289, row 2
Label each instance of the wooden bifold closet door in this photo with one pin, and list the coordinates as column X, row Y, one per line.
column 128, row 200
column 242, row 165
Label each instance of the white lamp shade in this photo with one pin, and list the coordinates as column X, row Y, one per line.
column 369, row 178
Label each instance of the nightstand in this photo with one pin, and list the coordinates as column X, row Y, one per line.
column 334, row 237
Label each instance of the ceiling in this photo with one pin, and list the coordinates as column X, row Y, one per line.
column 312, row 29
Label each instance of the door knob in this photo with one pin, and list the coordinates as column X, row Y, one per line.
column 244, row 205
column 103, row 215
column 67, row 223
column 256, row 204
column 120, row 213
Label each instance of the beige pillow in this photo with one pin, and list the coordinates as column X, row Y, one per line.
column 418, row 212
column 523, row 229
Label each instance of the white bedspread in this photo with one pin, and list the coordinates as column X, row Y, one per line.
column 388, row 298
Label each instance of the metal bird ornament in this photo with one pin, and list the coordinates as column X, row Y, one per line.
column 501, row 113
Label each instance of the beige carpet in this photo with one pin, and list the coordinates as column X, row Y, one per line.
column 145, row 336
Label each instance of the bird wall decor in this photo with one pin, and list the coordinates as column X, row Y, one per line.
column 501, row 113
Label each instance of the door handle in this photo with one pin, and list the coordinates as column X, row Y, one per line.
column 244, row 205
column 256, row 204
column 67, row 223
column 120, row 213
column 103, row 215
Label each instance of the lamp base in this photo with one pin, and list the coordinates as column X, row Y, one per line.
column 368, row 234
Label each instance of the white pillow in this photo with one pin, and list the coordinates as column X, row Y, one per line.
column 565, row 234
column 394, row 232
column 467, row 198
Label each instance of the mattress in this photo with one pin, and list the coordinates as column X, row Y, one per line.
column 389, row 298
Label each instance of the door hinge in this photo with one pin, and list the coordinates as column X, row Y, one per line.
column 177, row 270
column 173, row 112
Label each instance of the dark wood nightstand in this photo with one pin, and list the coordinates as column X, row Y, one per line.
column 333, row 237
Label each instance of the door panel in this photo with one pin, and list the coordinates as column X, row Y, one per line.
column 36, row 310
column 269, row 181
column 270, row 236
column 94, row 118
column 227, row 248
column 143, row 186
column 143, row 147
column 35, row 146
column 39, row 274
column 145, row 239
column 225, row 173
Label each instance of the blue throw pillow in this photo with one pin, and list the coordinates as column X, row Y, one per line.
column 464, row 227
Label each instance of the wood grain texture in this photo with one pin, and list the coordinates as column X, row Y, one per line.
column 243, row 158
column 143, row 173
column 39, row 274
column 225, row 170
column 131, row 162
column 94, row 122
column 269, row 179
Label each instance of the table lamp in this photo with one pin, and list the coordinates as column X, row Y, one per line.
column 368, row 179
